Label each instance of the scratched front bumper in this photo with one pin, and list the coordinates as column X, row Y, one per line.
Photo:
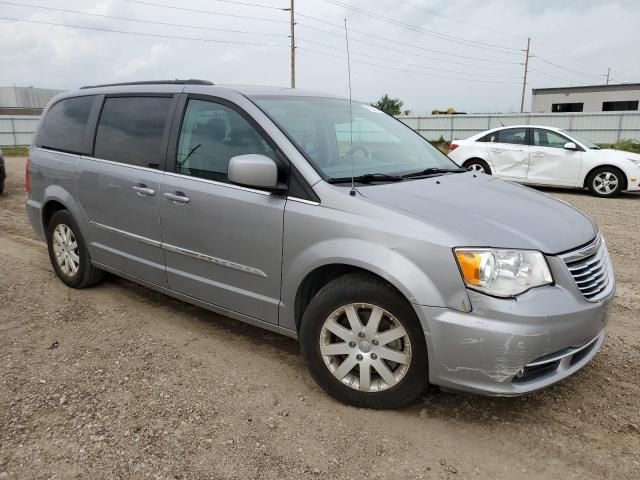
column 482, row 351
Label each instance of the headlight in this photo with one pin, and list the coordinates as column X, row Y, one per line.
column 502, row 273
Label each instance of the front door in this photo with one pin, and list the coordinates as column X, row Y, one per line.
column 509, row 153
column 118, row 187
column 551, row 163
column 222, row 242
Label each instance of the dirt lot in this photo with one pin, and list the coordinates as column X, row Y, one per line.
column 138, row 385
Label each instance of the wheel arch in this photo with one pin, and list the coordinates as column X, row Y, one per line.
column 320, row 276
column 477, row 157
column 625, row 180
column 57, row 198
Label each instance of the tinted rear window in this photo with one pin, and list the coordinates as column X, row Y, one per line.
column 130, row 130
column 64, row 124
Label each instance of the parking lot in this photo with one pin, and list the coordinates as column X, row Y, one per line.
column 121, row 382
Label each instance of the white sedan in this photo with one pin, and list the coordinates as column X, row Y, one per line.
column 548, row 156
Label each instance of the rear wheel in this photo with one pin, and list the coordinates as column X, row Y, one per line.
column 477, row 165
column 606, row 182
column 68, row 252
column 362, row 343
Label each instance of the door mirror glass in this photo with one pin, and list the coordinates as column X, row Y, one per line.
column 253, row 170
column 570, row 146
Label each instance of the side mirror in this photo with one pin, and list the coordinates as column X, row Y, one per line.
column 570, row 146
column 253, row 170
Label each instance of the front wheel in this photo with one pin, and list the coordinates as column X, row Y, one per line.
column 362, row 342
column 477, row 165
column 606, row 182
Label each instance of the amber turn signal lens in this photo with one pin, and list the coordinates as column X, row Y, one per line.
column 470, row 265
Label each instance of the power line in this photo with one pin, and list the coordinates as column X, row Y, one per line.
column 141, row 20
column 553, row 77
column 100, row 29
column 565, row 68
column 207, row 12
column 235, row 2
column 387, row 67
column 458, row 20
column 386, row 39
column 408, row 26
column 385, row 59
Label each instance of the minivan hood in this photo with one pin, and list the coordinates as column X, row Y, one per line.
column 489, row 212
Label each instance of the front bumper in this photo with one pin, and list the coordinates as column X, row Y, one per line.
column 509, row 347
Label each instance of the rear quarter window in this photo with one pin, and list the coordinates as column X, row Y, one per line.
column 64, row 124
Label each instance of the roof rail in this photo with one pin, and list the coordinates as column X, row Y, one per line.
column 153, row 82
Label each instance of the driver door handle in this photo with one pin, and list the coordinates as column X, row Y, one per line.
column 177, row 197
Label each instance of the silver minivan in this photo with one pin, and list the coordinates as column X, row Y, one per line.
column 328, row 222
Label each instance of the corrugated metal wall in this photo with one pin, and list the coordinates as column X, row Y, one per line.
column 597, row 127
column 17, row 130
column 26, row 97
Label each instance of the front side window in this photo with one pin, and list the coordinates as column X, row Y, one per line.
column 130, row 130
column 210, row 136
column 321, row 130
column 547, row 138
column 64, row 125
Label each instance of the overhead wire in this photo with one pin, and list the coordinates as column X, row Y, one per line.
column 415, row 28
column 130, row 19
column 312, row 42
column 405, row 70
column 101, row 29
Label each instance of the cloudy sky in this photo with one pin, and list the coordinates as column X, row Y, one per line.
column 463, row 54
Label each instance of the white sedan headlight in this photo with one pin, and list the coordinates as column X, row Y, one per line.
column 502, row 273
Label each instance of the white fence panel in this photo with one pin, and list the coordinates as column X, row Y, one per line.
column 597, row 127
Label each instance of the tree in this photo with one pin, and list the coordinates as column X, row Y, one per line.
column 392, row 106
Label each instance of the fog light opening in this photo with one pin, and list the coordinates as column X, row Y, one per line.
column 520, row 373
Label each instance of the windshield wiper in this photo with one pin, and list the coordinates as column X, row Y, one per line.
column 434, row 171
column 368, row 178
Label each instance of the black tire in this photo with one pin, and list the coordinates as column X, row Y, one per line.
column 86, row 275
column 600, row 190
column 1, row 187
column 478, row 165
column 362, row 288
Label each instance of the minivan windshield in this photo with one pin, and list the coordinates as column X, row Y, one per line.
column 382, row 148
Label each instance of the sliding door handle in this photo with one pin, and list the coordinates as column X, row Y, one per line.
column 142, row 190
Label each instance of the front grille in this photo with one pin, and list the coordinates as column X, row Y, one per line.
column 590, row 267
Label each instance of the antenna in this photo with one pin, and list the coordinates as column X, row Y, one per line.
column 352, row 192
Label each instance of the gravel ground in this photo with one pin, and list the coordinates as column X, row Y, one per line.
column 122, row 382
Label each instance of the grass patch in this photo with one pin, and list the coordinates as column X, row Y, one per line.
column 626, row 145
column 15, row 151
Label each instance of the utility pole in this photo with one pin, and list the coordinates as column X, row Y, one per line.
column 608, row 72
column 293, row 46
column 526, row 69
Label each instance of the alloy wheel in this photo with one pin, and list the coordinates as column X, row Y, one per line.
column 605, row 183
column 365, row 347
column 476, row 167
column 65, row 248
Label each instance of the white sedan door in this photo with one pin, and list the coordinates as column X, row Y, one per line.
column 509, row 153
column 550, row 162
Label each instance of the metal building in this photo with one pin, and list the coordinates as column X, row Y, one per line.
column 621, row 97
column 25, row 100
